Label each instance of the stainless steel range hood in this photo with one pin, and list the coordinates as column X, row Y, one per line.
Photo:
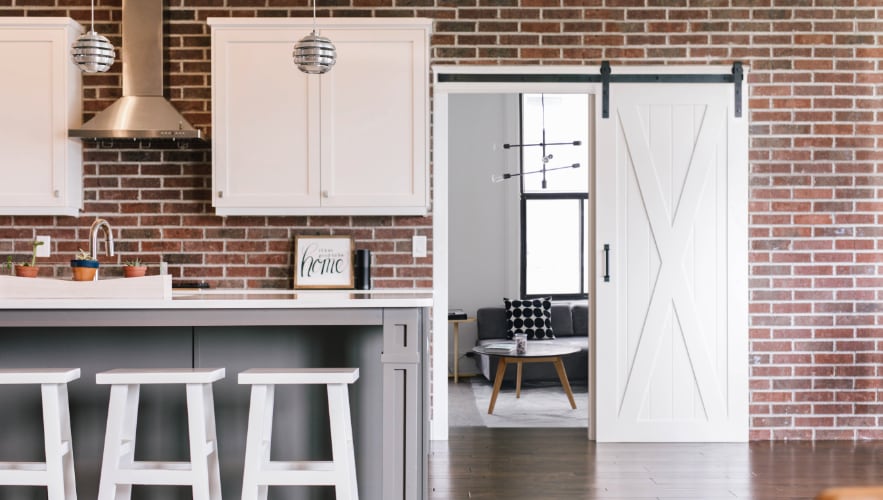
column 142, row 112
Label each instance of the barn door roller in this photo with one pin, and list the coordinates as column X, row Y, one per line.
column 735, row 77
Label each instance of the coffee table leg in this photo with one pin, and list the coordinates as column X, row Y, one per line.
column 562, row 375
column 498, row 381
column 518, row 379
column 456, row 352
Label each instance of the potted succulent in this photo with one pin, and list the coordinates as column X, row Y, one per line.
column 134, row 268
column 26, row 269
column 84, row 266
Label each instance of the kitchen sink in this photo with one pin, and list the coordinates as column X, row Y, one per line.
column 147, row 287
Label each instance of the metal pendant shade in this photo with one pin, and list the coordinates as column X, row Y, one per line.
column 314, row 54
column 92, row 52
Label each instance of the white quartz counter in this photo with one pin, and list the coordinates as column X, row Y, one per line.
column 240, row 299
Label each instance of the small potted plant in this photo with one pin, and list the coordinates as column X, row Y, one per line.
column 134, row 268
column 84, row 266
column 26, row 269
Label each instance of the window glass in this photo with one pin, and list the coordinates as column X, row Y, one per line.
column 552, row 249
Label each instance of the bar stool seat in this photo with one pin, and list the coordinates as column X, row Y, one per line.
column 119, row 470
column 260, row 472
column 57, row 472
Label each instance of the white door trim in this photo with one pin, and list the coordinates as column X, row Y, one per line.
column 440, row 205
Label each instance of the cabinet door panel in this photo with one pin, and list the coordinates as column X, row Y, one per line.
column 33, row 124
column 373, row 120
column 265, row 123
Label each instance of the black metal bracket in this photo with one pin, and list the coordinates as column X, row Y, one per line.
column 605, row 89
column 737, row 82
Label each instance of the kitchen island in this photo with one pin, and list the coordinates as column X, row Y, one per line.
column 384, row 334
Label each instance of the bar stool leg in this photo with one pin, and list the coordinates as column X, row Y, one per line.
column 203, row 442
column 342, row 442
column 259, row 437
column 59, row 450
column 214, row 463
column 119, row 443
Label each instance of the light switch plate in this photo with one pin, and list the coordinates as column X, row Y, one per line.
column 43, row 250
column 418, row 246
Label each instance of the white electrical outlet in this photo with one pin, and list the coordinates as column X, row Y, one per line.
column 43, row 250
column 418, row 246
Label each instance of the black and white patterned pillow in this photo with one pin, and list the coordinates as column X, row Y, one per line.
column 530, row 316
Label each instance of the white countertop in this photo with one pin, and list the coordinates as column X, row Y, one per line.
column 241, row 299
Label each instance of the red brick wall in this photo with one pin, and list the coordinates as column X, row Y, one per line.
column 816, row 153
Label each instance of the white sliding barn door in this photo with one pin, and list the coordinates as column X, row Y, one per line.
column 672, row 321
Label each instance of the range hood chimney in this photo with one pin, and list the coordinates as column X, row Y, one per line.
column 142, row 112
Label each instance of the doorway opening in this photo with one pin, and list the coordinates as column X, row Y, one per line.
column 479, row 224
column 518, row 191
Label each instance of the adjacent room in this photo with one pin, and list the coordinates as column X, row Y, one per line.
column 519, row 172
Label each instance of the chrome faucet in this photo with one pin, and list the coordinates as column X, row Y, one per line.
column 93, row 239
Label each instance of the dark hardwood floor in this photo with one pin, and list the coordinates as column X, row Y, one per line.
column 562, row 464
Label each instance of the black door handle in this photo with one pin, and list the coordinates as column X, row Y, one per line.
column 606, row 262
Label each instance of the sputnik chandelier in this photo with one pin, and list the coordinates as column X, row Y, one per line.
column 546, row 157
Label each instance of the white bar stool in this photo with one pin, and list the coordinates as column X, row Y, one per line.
column 260, row 472
column 57, row 472
column 119, row 470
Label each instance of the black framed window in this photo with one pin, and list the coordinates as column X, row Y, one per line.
column 553, row 219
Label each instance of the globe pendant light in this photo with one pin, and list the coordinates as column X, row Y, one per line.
column 314, row 54
column 92, row 52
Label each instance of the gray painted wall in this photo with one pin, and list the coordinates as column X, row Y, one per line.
column 483, row 216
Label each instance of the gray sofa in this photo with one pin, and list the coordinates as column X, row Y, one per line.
column 571, row 327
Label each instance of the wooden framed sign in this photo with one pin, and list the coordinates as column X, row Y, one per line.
column 323, row 262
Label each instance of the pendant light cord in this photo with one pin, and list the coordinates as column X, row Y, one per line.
column 543, row 122
column 92, row 22
column 314, row 16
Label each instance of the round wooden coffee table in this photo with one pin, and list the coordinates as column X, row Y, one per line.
column 538, row 351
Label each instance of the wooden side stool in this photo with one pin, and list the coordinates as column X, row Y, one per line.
column 57, row 472
column 260, row 472
column 119, row 470
column 852, row 493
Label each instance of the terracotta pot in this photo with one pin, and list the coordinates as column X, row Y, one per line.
column 26, row 271
column 134, row 271
column 84, row 270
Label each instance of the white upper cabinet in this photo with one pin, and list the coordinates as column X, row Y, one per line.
column 265, row 123
column 350, row 142
column 40, row 99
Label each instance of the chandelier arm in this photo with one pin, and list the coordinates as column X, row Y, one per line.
column 508, row 176
column 569, row 143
